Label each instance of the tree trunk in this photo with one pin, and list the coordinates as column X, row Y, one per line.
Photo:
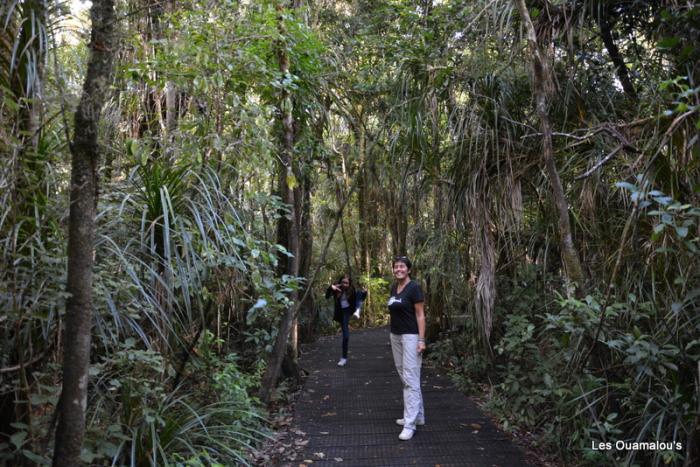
column 614, row 52
column 364, row 223
column 485, row 297
column 541, row 87
column 81, row 228
column 306, row 242
column 287, row 179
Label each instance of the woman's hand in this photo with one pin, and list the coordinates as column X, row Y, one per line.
column 335, row 287
column 420, row 318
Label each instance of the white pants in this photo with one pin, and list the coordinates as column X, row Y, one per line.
column 408, row 362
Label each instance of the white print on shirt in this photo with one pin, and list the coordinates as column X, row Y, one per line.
column 393, row 300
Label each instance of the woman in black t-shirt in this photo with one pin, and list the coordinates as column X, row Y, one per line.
column 344, row 305
column 408, row 343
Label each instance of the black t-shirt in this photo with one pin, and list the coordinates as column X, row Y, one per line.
column 402, row 308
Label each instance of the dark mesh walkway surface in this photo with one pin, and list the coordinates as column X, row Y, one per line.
column 349, row 413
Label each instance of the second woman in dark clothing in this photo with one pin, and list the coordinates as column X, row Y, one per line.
column 344, row 306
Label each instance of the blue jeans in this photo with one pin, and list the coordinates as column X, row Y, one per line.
column 345, row 326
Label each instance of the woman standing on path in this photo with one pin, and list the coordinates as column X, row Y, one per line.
column 408, row 342
column 344, row 306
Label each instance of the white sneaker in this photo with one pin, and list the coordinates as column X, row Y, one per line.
column 406, row 434
column 399, row 421
column 342, row 362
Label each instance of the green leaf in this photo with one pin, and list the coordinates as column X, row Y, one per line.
column 37, row 459
column 668, row 42
column 682, row 232
column 627, row 186
column 681, row 107
column 18, row 439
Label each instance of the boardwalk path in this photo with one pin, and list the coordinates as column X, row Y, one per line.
column 349, row 413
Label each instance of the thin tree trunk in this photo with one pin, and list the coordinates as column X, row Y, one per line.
column 364, row 221
column 615, row 56
column 81, row 229
column 286, row 177
column 541, row 87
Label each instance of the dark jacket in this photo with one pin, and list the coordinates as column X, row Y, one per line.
column 337, row 310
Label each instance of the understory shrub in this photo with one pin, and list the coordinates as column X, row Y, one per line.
column 617, row 368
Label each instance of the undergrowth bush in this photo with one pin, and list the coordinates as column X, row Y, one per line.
column 601, row 368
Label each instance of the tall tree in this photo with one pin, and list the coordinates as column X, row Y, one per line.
column 288, row 226
column 81, row 232
column 542, row 86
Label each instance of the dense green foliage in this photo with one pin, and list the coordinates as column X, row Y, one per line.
column 417, row 119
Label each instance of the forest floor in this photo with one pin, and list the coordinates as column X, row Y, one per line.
column 346, row 415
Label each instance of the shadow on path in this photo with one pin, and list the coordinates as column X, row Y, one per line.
column 349, row 413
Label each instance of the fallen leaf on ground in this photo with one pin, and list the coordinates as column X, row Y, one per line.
column 338, row 459
column 329, row 414
column 320, row 455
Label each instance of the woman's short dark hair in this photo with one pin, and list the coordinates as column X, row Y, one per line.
column 402, row 259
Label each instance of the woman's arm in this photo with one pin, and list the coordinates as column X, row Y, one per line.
column 420, row 317
column 330, row 291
